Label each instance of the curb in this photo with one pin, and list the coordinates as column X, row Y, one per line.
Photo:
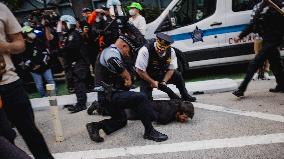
column 200, row 87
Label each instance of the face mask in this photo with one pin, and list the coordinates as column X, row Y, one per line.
column 132, row 12
column 98, row 19
column 31, row 35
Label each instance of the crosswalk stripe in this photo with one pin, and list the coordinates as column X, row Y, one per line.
column 260, row 115
column 174, row 147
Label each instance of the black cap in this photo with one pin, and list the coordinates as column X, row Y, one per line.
column 84, row 10
column 164, row 38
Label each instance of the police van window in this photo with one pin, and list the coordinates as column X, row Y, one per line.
column 188, row 12
column 243, row 5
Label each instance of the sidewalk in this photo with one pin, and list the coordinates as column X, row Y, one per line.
column 201, row 87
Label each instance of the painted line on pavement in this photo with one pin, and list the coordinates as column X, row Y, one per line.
column 174, row 147
column 260, row 115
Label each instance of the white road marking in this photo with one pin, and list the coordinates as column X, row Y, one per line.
column 174, row 147
column 260, row 115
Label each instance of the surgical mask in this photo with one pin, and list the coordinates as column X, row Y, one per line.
column 132, row 12
column 98, row 19
column 31, row 35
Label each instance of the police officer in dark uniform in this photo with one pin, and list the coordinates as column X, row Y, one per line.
column 111, row 69
column 75, row 56
column 156, row 64
column 92, row 46
column 269, row 24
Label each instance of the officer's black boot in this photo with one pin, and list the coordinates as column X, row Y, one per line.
column 185, row 96
column 155, row 135
column 180, row 84
column 276, row 89
column 238, row 93
column 189, row 98
column 77, row 108
column 93, row 130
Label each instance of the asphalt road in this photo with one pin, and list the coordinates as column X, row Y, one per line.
column 211, row 134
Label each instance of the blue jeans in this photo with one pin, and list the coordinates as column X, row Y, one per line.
column 39, row 82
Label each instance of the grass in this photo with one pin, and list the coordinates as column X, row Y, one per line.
column 61, row 88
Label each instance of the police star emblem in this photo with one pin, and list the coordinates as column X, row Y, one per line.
column 197, row 35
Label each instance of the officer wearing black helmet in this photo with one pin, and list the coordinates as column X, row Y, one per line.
column 269, row 24
column 111, row 69
column 75, row 55
column 156, row 64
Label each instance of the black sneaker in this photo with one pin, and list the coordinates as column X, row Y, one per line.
column 76, row 108
column 93, row 131
column 277, row 89
column 238, row 93
column 155, row 136
column 189, row 98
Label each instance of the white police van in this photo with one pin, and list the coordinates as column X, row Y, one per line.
column 205, row 30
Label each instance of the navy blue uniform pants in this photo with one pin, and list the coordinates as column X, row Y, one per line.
column 127, row 99
column 80, row 81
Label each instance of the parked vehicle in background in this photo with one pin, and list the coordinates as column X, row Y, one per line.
column 204, row 31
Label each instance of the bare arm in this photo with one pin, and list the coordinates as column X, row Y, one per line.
column 168, row 75
column 127, row 78
column 15, row 44
column 144, row 75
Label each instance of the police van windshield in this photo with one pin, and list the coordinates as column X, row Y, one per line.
column 188, row 12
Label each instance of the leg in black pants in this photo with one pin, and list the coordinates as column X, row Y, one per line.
column 5, row 127
column 255, row 64
column 127, row 99
column 19, row 111
column 80, row 72
column 178, row 81
column 277, row 67
column 146, row 89
column 121, row 100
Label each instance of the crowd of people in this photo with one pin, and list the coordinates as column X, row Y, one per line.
column 113, row 47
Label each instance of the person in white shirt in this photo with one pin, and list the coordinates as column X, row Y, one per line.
column 136, row 18
column 156, row 64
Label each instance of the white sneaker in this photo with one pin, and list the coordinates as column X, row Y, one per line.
column 266, row 76
column 255, row 76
